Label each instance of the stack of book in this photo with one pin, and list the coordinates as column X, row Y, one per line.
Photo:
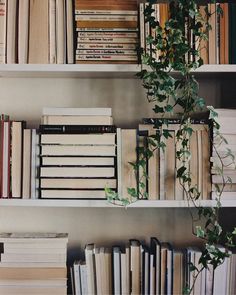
column 161, row 168
column 78, row 153
column 223, row 160
column 106, row 32
column 154, row 269
column 33, row 263
column 36, row 32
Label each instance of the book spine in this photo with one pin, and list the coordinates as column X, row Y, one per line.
column 99, row 29
column 106, row 40
column 52, row 32
column 83, row 129
column 103, row 11
column 108, row 34
column 96, row 57
column 106, row 24
column 104, row 18
column 106, row 46
column 3, row 32
column 106, row 51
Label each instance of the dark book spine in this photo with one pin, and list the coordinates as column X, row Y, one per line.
column 159, row 122
column 76, row 129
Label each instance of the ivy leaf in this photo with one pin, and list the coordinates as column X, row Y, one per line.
column 200, row 232
column 181, row 171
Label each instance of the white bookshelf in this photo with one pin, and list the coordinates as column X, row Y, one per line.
column 106, row 204
column 91, row 70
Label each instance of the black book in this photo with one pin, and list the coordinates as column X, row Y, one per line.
column 76, row 129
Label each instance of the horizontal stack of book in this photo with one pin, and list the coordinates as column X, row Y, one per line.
column 33, row 263
column 154, row 269
column 36, row 32
column 223, row 160
column 221, row 45
column 162, row 182
column 107, row 31
column 78, row 153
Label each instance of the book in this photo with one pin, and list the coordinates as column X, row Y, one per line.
column 57, row 111
column 96, row 46
column 77, row 161
column 85, row 183
column 78, row 150
column 135, row 266
column 3, row 31
column 23, row 31
column 69, row 32
column 91, row 270
column 52, row 32
column 16, row 158
column 26, row 164
column 80, row 139
column 5, row 193
column 116, row 256
column 77, row 120
column 11, row 31
column 73, row 194
column 61, row 31
column 70, row 172
column 38, row 32
column 155, row 250
column 106, row 51
column 75, row 129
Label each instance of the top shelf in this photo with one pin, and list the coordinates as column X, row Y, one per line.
column 91, row 70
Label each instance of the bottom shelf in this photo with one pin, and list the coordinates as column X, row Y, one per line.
column 106, row 204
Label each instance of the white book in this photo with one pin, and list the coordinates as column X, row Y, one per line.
column 33, row 250
column 60, row 31
column 70, row 32
column 26, row 164
column 102, row 11
column 32, row 264
column 3, row 30
column 81, row 139
column 34, row 165
column 90, row 262
column 35, row 257
column 6, row 161
column 117, row 270
column 11, row 31
column 84, row 283
column 77, row 120
column 77, row 278
column 78, row 161
column 23, row 31
column 34, row 283
column 52, row 32
column 73, row 194
column 92, row 172
column 76, row 111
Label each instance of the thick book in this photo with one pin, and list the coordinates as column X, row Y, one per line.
column 26, row 164
column 123, row 46
column 76, row 120
column 78, row 161
column 11, row 31
column 155, row 250
column 79, row 139
column 57, row 111
column 38, row 32
column 104, row 57
column 52, row 32
column 61, row 31
column 77, row 183
column 106, row 24
column 23, row 31
column 104, row 11
column 69, row 32
column 91, row 269
column 73, row 194
column 107, row 51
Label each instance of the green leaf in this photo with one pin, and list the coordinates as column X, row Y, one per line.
column 200, row 233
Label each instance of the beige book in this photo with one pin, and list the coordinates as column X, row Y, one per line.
column 170, row 167
column 26, row 164
column 76, row 150
column 32, row 264
column 204, row 44
column 52, row 32
column 98, row 271
column 32, row 250
column 77, row 183
column 194, row 159
column 16, row 159
column 69, row 32
column 23, row 31
column 16, row 290
column 8, row 273
column 77, row 120
column 91, row 271
column 73, row 194
column 128, row 154
column 163, row 282
column 200, row 161
column 78, row 161
column 135, row 267
column 206, row 180
column 35, row 257
column 11, row 31
column 60, row 31
column 34, row 283
column 3, row 30
column 108, row 274
column 82, row 139
column 178, row 273
column 212, row 34
column 39, row 32
column 77, row 172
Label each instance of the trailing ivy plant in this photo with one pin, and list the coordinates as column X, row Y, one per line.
column 170, row 50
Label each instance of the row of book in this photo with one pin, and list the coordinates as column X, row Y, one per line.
column 223, row 155
column 33, row 263
column 36, row 32
column 107, row 31
column 218, row 49
column 154, row 269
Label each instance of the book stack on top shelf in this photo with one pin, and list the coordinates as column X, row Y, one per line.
column 223, row 155
column 78, row 153
column 107, row 31
column 33, row 263
column 157, row 268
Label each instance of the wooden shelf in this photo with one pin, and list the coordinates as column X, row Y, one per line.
column 90, row 70
column 105, row 204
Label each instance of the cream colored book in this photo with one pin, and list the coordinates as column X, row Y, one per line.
column 60, row 31
column 69, row 32
column 93, row 172
column 170, row 167
column 77, row 120
column 3, row 31
column 81, row 139
column 39, row 32
column 52, row 32
column 55, row 183
column 16, row 158
column 11, row 31
column 76, row 150
column 26, row 164
column 78, row 161
column 23, row 31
